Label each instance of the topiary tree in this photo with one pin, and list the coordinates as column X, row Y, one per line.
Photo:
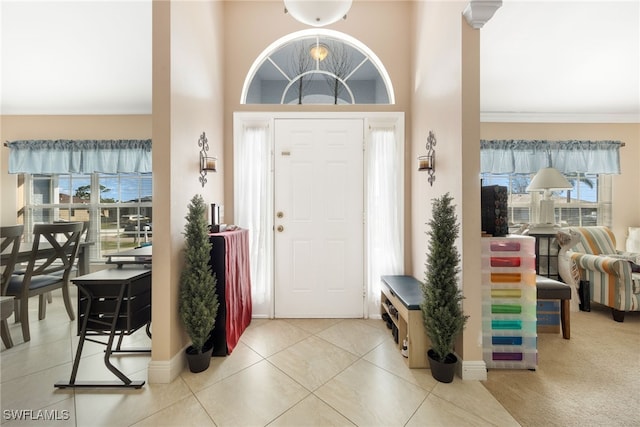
column 198, row 299
column 441, row 307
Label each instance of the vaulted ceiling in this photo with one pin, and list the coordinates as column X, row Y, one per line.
column 571, row 60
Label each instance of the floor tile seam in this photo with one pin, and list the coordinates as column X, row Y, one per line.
column 38, row 372
column 391, row 372
column 290, row 377
column 289, row 408
column 180, row 402
column 282, row 349
column 397, row 376
column 454, row 403
column 321, row 385
column 334, row 408
column 415, row 411
column 17, row 338
column 310, row 332
column 466, row 411
column 505, row 410
column 337, row 346
column 307, row 391
column 251, row 348
column 29, row 349
column 195, row 392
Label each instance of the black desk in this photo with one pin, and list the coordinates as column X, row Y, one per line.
column 139, row 256
column 110, row 302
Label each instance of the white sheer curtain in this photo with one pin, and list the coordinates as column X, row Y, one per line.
column 253, row 210
column 385, row 225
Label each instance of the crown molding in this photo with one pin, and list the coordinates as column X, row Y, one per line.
column 506, row 117
column 478, row 12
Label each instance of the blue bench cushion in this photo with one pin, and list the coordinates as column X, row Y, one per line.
column 407, row 289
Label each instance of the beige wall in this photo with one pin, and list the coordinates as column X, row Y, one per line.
column 383, row 28
column 187, row 101
column 432, row 58
column 59, row 127
column 626, row 203
column 446, row 101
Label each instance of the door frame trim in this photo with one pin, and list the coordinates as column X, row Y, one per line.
column 370, row 119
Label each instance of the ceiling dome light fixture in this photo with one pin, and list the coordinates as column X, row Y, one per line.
column 319, row 51
column 317, row 13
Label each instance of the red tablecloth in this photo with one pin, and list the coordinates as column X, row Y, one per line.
column 237, row 285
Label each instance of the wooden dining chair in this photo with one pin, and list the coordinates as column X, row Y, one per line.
column 83, row 238
column 55, row 249
column 10, row 237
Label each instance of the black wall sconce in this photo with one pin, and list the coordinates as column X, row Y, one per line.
column 428, row 161
column 207, row 164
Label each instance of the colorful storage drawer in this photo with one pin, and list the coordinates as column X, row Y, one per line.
column 509, row 310
column 505, row 338
column 506, row 323
column 506, row 306
column 507, row 260
column 510, row 358
column 548, row 314
column 503, row 276
column 512, row 244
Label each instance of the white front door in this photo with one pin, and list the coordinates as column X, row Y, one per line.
column 319, row 213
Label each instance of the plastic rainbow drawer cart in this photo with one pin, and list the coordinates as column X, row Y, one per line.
column 509, row 337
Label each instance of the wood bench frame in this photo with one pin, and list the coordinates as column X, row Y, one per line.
column 409, row 322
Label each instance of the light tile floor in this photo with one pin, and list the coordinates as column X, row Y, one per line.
column 293, row 372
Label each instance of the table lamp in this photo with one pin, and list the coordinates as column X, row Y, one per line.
column 547, row 180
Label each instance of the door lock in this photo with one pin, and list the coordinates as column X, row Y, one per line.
column 280, row 228
column 280, row 214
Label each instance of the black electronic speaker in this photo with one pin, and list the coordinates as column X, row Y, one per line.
column 493, row 201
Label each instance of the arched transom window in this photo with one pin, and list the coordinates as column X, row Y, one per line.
column 317, row 66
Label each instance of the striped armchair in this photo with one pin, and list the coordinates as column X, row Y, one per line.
column 609, row 272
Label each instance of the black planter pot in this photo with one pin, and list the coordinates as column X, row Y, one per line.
column 199, row 362
column 442, row 371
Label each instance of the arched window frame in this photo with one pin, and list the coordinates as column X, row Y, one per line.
column 317, row 32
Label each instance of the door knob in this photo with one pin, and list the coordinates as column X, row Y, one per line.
column 280, row 228
column 280, row 214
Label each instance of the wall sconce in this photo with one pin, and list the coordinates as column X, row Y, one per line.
column 428, row 162
column 207, row 164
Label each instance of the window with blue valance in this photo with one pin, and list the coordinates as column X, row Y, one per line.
column 80, row 156
column 529, row 156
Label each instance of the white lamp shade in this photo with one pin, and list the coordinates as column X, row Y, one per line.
column 549, row 179
column 317, row 13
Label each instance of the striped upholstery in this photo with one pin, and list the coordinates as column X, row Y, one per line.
column 595, row 241
column 607, row 270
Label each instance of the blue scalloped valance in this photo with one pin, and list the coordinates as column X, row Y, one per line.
column 80, row 156
column 529, row 156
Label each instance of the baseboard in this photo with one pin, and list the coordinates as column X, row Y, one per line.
column 165, row 371
column 473, row 370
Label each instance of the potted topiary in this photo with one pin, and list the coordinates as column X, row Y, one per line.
column 441, row 306
column 198, row 303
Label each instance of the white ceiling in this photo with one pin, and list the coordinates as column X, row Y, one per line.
column 571, row 60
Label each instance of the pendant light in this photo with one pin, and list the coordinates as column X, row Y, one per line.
column 317, row 13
